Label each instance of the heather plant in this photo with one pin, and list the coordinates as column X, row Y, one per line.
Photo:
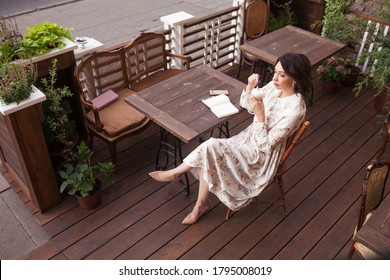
column 16, row 81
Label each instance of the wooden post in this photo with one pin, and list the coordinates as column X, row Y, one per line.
column 175, row 22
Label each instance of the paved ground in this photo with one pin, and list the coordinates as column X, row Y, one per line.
column 111, row 22
column 18, row 7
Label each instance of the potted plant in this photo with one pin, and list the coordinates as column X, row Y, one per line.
column 333, row 71
column 10, row 40
column 379, row 73
column 16, row 81
column 44, row 37
column 280, row 15
column 58, row 127
column 80, row 177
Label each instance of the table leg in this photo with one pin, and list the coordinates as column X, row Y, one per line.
column 170, row 147
column 223, row 131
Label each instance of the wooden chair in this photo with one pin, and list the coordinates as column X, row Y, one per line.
column 374, row 182
column 125, row 70
column 291, row 143
column 94, row 76
column 255, row 25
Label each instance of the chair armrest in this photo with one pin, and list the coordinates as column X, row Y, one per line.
column 89, row 106
column 187, row 59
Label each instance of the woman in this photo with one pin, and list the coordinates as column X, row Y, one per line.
column 237, row 169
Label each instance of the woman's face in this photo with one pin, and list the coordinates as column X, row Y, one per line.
column 281, row 80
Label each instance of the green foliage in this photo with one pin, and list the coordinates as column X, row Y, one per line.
column 16, row 81
column 43, row 37
column 380, row 69
column 10, row 38
column 339, row 24
column 79, row 175
column 285, row 16
column 57, row 126
column 385, row 10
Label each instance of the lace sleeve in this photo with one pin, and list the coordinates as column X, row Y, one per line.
column 266, row 139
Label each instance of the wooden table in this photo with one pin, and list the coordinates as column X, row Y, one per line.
column 292, row 39
column 375, row 233
column 175, row 106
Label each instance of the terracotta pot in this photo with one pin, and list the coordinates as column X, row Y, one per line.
column 351, row 78
column 329, row 87
column 93, row 200
column 382, row 101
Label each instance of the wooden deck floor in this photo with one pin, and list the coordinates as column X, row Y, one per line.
column 141, row 219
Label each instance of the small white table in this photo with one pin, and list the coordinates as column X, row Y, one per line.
column 91, row 46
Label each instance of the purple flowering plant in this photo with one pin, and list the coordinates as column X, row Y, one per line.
column 333, row 69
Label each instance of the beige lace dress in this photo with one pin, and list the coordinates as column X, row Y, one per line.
column 238, row 168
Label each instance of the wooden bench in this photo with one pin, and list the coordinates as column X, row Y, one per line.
column 125, row 70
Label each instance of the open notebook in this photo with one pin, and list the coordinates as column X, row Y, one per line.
column 220, row 105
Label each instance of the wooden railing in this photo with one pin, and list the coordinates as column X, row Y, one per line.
column 210, row 40
column 376, row 29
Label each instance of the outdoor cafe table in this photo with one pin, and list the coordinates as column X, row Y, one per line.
column 375, row 233
column 175, row 105
column 292, row 39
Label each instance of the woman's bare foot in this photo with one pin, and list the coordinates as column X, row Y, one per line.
column 164, row 176
column 196, row 214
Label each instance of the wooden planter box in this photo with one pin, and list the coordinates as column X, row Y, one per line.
column 24, row 151
column 23, row 147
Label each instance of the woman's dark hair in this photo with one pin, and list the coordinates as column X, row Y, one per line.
column 298, row 67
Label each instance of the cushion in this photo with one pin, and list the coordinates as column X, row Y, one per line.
column 105, row 99
column 154, row 79
column 119, row 116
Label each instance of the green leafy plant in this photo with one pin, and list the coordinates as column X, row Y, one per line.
column 10, row 40
column 333, row 69
column 340, row 24
column 16, row 81
column 378, row 72
column 43, row 37
column 283, row 17
column 57, row 126
column 79, row 175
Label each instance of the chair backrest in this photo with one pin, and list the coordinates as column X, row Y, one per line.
column 145, row 55
column 374, row 182
column 292, row 141
column 120, row 67
column 100, row 72
column 256, row 19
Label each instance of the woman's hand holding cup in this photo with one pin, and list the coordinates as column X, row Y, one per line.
column 253, row 81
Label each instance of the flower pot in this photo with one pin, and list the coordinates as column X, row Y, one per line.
column 93, row 200
column 329, row 87
column 382, row 101
column 350, row 79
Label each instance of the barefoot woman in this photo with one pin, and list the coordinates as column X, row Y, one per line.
column 237, row 169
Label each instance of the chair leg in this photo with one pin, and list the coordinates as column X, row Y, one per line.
column 239, row 67
column 253, row 67
column 351, row 251
column 112, row 148
column 281, row 193
column 228, row 214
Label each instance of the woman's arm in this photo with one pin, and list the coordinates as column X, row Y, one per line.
column 266, row 139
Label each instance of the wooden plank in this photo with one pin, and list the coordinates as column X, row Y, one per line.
column 169, row 123
column 141, row 218
column 43, row 252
